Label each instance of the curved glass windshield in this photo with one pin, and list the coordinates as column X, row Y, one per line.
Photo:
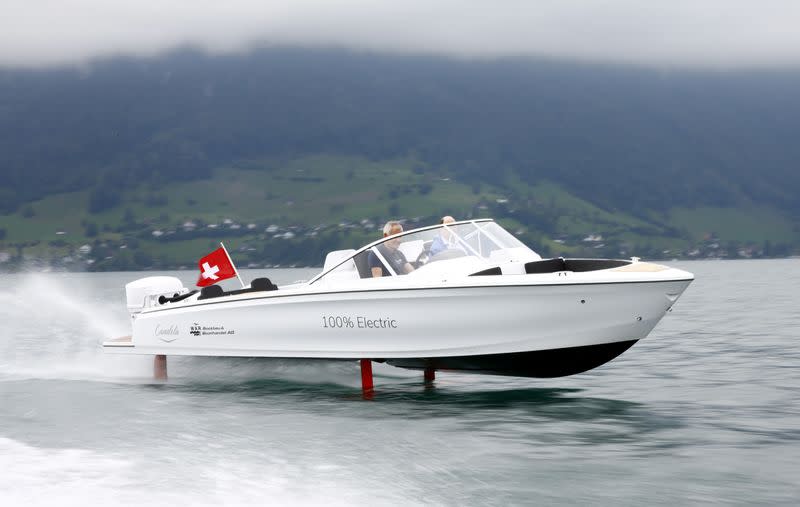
column 410, row 251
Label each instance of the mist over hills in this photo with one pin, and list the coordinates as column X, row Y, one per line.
column 631, row 140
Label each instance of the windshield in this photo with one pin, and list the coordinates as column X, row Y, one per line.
column 407, row 252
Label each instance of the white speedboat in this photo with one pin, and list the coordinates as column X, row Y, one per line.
column 477, row 300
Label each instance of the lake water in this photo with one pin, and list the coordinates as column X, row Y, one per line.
column 705, row 410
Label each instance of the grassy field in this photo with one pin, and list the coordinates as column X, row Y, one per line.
column 327, row 190
column 321, row 189
column 310, row 190
column 748, row 225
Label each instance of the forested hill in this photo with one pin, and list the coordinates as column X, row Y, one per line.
column 622, row 138
column 144, row 163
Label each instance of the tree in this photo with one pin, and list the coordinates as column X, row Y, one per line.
column 90, row 229
column 103, row 197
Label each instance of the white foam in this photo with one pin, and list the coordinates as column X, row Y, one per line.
column 43, row 476
column 53, row 327
column 33, row 476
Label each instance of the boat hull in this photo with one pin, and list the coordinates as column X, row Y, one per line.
column 539, row 330
column 541, row 363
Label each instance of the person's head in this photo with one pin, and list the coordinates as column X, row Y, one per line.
column 444, row 232
column 391, row 228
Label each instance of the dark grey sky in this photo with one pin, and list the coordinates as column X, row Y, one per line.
column 704, row 33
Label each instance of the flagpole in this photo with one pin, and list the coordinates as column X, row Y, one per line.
column 232, row 264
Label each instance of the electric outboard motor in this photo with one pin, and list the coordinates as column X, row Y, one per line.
column 144, row 292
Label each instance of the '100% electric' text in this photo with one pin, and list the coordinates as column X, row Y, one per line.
column 339, row 322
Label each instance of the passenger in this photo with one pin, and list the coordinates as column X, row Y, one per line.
column 445, row 240
column 391, row 252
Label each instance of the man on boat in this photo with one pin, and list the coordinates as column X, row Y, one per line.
column 390, row 251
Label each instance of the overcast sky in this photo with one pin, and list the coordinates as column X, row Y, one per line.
column 705, row 33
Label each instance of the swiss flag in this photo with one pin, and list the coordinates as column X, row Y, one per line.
column 215, row 267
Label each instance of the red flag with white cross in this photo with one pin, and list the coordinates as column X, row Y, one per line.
column 215, row 267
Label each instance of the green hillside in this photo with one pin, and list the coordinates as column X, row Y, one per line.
column 293, row 212
column 133, row 163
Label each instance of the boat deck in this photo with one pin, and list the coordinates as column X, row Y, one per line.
column 122, row 341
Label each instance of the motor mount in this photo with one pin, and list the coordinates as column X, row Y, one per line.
column 139, row 291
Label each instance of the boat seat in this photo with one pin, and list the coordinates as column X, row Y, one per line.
column 257, row 285
column 362, row 265
column 346, row 271
column 212, row 291
column 262, row 284
column 335, row 257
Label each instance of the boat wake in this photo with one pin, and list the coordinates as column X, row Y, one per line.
column 54, row 325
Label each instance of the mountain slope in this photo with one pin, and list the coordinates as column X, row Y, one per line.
column 294, row 212
column 625, row 148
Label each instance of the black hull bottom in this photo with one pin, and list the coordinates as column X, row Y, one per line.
column 540, row 364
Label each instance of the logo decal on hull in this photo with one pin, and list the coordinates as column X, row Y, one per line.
column 167, row 334
column 199, row 330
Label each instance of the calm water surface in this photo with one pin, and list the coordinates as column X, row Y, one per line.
column 705, row 410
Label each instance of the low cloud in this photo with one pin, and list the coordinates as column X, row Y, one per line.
column 693, row 33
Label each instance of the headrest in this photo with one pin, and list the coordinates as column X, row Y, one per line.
column 334, row 258
column 262, row 284
column 212, row 291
